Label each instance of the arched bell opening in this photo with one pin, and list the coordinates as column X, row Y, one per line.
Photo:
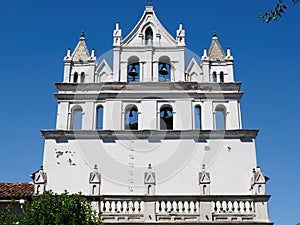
column 164, row 69
column 220, row 117
column 133, row 70
column 76, row 118
column 166, row 117
column 131, row 118
column 149, row 36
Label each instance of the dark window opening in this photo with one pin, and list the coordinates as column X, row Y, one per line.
column 131, row 119
column 166, row 118
column 100, row 117
column 149, row 36
column 222, row 77
column 82, row 78
column 75, row 77
column 214, row 77
column 220, row 118
column 197, row 117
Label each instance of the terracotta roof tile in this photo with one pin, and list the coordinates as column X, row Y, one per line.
column 16, row 190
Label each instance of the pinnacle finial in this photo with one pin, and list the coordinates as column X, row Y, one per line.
column 214, row 34
column 82, row 34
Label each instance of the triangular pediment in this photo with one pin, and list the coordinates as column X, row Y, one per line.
column 193, row 67
column 81, row 52
column 104, row 72
column 160, row 34
column 216, row 52
column 104, row 68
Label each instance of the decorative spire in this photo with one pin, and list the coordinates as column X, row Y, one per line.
column 82, row 34
column 216, row 53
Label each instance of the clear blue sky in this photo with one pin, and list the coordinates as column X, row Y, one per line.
column 36, row 34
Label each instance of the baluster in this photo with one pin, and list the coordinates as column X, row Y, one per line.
column 242, row 206
column 229, row 206
column 248, row 206
column 234, row 206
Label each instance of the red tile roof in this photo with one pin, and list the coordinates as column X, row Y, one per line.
column 16, row 190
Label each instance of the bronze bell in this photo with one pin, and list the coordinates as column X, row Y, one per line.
column 133, row 73
column 130, row 113
column 166, row 116
column 164, row 70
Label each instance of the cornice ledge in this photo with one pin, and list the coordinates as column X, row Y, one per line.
column 233, row 86
column 243, row 135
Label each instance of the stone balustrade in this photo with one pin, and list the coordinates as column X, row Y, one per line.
column 183, row 209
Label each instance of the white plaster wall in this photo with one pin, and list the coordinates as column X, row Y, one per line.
column 62, row 116
column 226, row 68
column 184, row 115
column 148, row 122
column 177, row 164
column 113, row 115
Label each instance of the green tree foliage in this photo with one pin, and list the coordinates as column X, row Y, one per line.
column 54, row 209
column 278, row 11
column 6, row 217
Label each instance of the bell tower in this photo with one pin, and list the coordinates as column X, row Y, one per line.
column 151, row 132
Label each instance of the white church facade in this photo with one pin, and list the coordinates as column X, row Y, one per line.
column 151, row 133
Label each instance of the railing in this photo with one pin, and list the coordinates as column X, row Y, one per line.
column 185, row 209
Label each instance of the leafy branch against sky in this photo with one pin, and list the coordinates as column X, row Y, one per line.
column 278, row 11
